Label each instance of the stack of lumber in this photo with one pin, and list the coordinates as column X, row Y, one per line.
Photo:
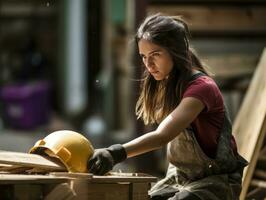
column 249, row 129
column 16, row 162
column 22, row 175
column 29, row 176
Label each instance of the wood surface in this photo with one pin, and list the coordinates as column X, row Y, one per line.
column 28, row 178
column 231, row 65
column 111, row 178
column 217, row 18
column 30, row 160
column 15, row 169
column 121, row 186
column 71, row 175
column 250, row 124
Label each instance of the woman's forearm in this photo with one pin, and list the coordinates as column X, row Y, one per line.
column 145, row 143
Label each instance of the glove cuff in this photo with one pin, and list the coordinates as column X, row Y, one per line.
column 118, row 153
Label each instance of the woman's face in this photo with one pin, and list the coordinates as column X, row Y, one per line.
column 156, row 59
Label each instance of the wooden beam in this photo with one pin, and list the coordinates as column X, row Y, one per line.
column 250, row 124
column 260, row 174
column 217, row 18
column 258, row 183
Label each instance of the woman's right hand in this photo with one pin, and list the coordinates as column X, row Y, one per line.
column 101, row 162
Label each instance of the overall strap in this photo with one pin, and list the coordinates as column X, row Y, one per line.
column 226, row 158
column 197, row 75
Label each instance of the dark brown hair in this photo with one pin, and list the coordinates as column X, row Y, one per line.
column 159, row 98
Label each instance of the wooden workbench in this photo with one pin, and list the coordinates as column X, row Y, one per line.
column 78, row 186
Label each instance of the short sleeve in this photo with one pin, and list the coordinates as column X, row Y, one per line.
column 204, row 90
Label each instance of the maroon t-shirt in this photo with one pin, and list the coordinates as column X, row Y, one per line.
column 208, row 124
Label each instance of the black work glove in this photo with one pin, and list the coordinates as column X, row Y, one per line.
column 103, row 160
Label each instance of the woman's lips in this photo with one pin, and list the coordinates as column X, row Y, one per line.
column 155, row 72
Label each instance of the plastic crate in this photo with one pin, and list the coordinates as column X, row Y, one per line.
column 26, row 106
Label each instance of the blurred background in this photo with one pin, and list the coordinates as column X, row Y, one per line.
column 72, row 64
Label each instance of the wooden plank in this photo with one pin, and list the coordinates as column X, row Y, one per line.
column 37, row 170
column 15, row 169
column 250, row 124
column 217, row 18
column 27, row 178
column 5, row 165
column 30, row 160
column 258, row 183
column 113, row 177
column 260, row 174
column 226, row 66
column 7, row 168
column 71, row 175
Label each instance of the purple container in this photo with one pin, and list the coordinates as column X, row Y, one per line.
column 26, row 106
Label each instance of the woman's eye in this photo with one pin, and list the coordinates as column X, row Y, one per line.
column 142, row 56
column 155, row 54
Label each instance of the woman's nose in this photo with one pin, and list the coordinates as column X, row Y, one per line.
column 149, row 62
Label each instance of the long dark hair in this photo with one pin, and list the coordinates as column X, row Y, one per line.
column 159, row 98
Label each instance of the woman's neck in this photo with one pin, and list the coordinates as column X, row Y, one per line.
column 194, row 71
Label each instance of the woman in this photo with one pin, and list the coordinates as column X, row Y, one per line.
column 178, row 94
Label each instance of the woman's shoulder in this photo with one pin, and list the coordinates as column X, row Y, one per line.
column 204, row 82
column 205, row 89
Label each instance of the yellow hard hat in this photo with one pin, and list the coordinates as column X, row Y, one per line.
column 72, row 148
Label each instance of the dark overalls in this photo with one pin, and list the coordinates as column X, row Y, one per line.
column 193, row 175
